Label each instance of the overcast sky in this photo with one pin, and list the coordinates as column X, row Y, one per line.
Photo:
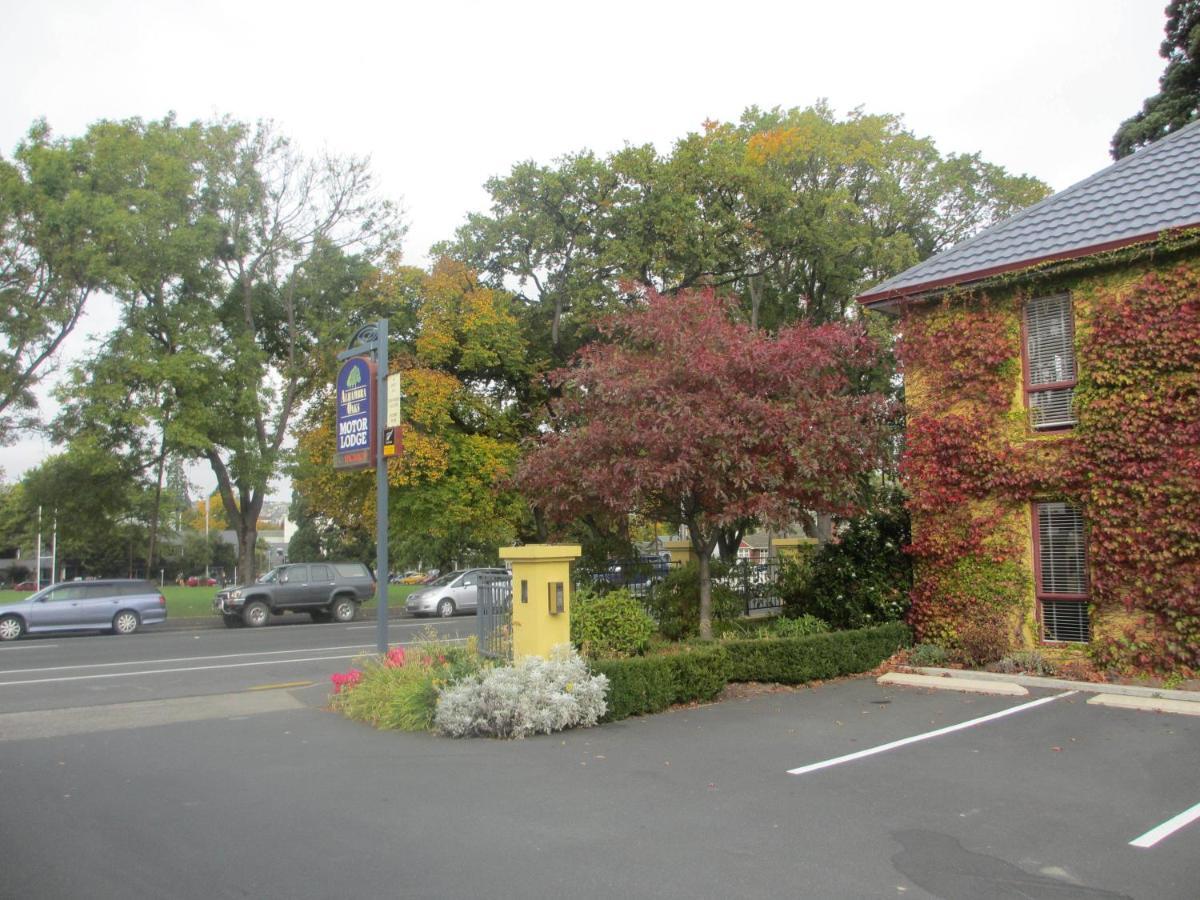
column 444, row 95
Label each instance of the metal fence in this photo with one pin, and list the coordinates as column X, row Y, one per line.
column 493, row 619
column 755, row 584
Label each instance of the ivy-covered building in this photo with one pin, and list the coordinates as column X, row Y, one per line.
column 1052, row 459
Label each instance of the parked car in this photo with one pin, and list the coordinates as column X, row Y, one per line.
column 121, row 606
column 25, row 586
column 201, row 581
column 451, row 593
column 414, row 578
column 634, row 572
column 327, row 591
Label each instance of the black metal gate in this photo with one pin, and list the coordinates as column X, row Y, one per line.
column 493, row 621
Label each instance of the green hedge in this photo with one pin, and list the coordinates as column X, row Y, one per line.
column 650, row 684
column 815, row 657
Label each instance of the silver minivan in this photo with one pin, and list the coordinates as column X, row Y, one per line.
column 453, row 592
column 121, row 606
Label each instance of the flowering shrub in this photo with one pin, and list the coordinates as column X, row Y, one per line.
column 536, row 696
column 343, row 681
column 400, row 689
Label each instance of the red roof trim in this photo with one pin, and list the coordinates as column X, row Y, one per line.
column 909, row 291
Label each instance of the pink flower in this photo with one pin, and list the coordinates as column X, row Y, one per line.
column 345, row 680
column 395, row 658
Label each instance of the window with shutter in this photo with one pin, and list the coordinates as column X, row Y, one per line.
column 1060, row 562
column 1050, row 362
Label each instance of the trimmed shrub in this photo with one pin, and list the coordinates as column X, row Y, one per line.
column 614, row 625
column 536, row 696
column 817, row 657
column 636, row 687
column 651, row 684
column 699, row 673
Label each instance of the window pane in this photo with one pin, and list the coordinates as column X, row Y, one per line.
column 1049, row 349
column 1062, row 554
column 1050, row 409
column 1065, row 620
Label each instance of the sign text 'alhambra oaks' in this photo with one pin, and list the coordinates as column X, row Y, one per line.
column 355, row 425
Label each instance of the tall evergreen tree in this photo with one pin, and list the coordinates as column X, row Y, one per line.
column 1178, row 99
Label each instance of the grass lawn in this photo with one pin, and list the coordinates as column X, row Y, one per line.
column 191, row 602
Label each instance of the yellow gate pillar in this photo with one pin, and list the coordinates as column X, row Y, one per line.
column 681, row 552
column 790, row 546
column 541, row 596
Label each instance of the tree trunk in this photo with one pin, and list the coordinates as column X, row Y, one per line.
column 158, row 485
column 703, row 548
column 824, row 527
column 729, row 540
column 756, row 292
column 705, row 599
column 243, row 517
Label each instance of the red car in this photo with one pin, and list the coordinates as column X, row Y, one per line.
column 25, row 586
column 201, row 581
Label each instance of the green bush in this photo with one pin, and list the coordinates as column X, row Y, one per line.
column 699, row 673
column 637, row 686
column 862, row 580
column 928, row 655
column 802, row 659
column 675, row 601
column 610, row 626
column 650, row 684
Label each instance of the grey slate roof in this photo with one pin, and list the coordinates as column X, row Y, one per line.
column 1137, row 198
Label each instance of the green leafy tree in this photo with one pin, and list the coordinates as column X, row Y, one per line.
column 98, row 528
column 1178, row 99
column 236, row 253
column 462, row 368
column 51, row 234
column 549, row 233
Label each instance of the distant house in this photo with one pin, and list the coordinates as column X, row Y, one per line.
column 1052, row 378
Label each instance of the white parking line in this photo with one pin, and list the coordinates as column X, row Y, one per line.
column 1167, row 828
column 949, row 729
column 242, row 665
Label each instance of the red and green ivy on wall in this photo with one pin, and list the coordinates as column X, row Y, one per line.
column 972, row 468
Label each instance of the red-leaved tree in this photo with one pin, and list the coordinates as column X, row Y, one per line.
column 685, row 416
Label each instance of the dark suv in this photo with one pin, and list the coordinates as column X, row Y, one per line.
column 327, row 591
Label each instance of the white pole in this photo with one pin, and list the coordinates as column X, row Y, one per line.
column 207, row 501
column 39, row 550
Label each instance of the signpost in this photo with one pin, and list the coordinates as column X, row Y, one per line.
column 355, row 414
column 362, row 388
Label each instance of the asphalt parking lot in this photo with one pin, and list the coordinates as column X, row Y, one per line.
column 293, row 801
